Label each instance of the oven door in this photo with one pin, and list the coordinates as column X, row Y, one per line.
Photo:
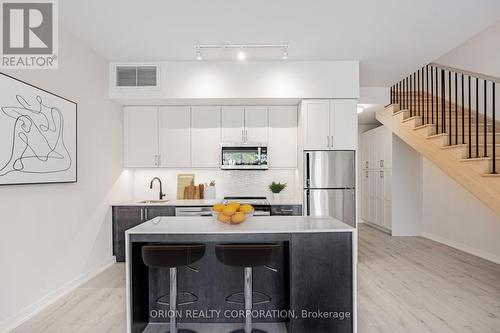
column 244, row 157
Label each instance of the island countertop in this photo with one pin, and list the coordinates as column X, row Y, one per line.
column 255, row 225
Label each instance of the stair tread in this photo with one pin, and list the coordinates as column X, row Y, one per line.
column 478, row 159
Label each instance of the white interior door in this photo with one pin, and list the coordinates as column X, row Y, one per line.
column 256, row 124
column 174, row 136
column 343, row 124
column 317, row 122
column 282, row 136
column 233, row 124
column 205, row 136
column 140, row 135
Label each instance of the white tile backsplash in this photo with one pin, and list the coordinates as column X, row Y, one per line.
column 239, row 183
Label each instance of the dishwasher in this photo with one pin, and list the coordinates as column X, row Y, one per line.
column 193, row 211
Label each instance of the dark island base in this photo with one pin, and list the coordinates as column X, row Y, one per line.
column 314, row 275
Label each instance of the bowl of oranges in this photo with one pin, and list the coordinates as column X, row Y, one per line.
column 232, row 212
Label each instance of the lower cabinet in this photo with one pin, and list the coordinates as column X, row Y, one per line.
column 376, row 197
column 126, row 217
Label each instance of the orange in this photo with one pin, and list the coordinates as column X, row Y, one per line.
column 238, row 218
column 218, row 207
column 234, row 204
column 229, row 210
column 224, row 218
column 246, row 209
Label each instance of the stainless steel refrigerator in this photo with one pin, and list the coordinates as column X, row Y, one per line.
column 330, row 185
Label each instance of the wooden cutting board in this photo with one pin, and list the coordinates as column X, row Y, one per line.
column 183, row 180
column 190, row 191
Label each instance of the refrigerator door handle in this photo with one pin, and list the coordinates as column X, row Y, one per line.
column 308, row 171
column 307, row 203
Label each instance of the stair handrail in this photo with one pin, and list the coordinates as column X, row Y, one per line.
column 466, row 72
column 441, row 108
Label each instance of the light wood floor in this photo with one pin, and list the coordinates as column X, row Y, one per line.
column 406, row 284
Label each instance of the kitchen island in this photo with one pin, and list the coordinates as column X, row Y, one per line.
column 312, row 289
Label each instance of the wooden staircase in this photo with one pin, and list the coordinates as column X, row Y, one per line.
column 466, row 156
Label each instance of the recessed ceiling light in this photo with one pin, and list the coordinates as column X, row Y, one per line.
column 241, row 55
column 361, row 108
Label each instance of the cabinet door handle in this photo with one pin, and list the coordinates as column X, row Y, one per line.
column 381, row 163
column 146, row 213
column 242, row 136
column 381, row 174
column 328, row 141
column 331, row 137
column 367, row 164
column 142, row 214
column 246, row 135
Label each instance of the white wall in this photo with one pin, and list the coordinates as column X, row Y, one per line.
column 239, row 183
column 480, row 54
column 54, row 236
column 406, row 189
column 250, row 80
column 453, row 216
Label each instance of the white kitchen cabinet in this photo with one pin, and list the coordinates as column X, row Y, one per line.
column 316, row 115
column 205, row 136
column 343, row 125
column 376, row 163
column 174, row 132
column 387, row 198
column 330, row 124
column 233, row 124
column 256, row 124
column 140, row 135
column 282, row 147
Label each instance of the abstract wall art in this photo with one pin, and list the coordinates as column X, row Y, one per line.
column 38, row 135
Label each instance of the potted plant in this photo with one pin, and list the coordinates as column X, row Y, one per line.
column 276, row 189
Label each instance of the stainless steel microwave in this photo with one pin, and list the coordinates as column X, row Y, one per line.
column 244, row 157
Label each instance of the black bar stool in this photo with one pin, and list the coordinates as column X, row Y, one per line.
column 248, row 255
column 173, row 256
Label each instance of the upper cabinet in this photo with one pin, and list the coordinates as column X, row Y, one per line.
column 329, row 124
column 316, row 115
column 191, row 136
column 256, row 124
column 205, row 136
column 233, row 123
column 140, row 136
column 282, row 146
column 344, row 124
column 244, row 124
column 174, row 134
column 376, row 148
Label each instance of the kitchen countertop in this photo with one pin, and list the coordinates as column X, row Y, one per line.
column 179, row 203
column 257, row 225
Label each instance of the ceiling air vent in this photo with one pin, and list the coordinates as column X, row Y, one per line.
column 141, row 76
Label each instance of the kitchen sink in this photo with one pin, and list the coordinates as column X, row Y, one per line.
column 153, row 201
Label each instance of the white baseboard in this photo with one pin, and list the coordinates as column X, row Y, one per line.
column 31, row 310
column 463, row 247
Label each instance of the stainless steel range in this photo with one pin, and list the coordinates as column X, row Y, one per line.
column 261, row 205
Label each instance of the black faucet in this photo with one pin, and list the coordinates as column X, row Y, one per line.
column 162, row 195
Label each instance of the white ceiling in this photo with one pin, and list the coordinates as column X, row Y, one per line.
column 389, row 37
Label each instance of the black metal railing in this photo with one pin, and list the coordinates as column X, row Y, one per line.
column 443, row 98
